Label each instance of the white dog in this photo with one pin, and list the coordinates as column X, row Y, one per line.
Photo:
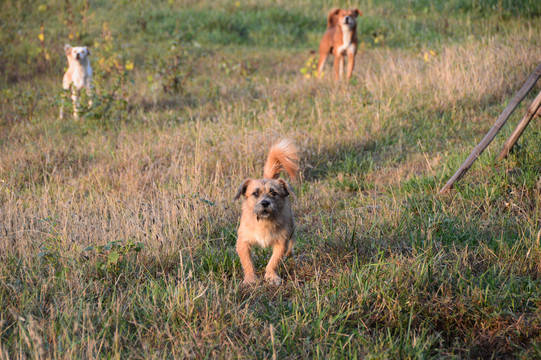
column 78, row 75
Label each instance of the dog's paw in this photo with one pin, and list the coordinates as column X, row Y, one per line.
column 249, row 281
column 273, row 279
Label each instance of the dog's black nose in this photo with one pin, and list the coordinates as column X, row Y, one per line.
column 347, row 19
column 77, row 56
column 265, row 203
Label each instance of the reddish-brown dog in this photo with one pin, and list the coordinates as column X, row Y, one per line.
column 339, row 40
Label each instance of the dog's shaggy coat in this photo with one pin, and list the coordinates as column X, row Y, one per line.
column 78, row 76
column 267, row 217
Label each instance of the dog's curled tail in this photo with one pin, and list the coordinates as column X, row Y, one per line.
column 282, row 156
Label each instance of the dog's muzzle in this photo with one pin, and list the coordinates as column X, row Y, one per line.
column 264, row 209
column 349, row 21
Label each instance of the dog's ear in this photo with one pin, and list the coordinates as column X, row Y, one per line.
column 286, row 187
column 358, row 12
column 242, row 189
column 87, row 51
column 67, row 49
column 331, row 18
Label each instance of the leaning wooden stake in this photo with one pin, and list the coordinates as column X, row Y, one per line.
column 528, row 85
column 530, row 113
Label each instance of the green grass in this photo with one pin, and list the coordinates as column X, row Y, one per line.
column 118, row 230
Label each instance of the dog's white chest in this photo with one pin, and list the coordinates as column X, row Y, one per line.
column 264, row 238
column 347, row 45
column 81, row 76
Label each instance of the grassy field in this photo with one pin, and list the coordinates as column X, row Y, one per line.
column 117, row 230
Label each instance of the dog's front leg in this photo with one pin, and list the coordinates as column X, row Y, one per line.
column 278, row 253
column 243, row 249
column 351, row 62
column 338, row 64
column 75, row 102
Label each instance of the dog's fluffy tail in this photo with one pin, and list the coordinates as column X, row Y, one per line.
column 282, row 156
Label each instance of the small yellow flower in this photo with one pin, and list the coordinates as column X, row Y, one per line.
column 129, row 65
column 432, row 53
column 70, row 36
column 42, row 7
column 425, row 57
column 41, row 37
column 237, row 3
column 47, row 57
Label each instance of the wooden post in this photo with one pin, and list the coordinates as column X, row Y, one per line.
column 532, row 111
column 528, row 85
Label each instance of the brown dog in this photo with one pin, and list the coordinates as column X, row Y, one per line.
column 339, row 40
column 267, row 218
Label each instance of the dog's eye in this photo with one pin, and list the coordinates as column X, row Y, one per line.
column 272, row 193
column 256, row 194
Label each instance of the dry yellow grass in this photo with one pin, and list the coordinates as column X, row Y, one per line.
column 147, row 183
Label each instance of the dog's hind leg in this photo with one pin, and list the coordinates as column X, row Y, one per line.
column 89, row 94
column 63, row 98
column 243, row 249
column 278, row 252
column 290, row 245
column 321, row 64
